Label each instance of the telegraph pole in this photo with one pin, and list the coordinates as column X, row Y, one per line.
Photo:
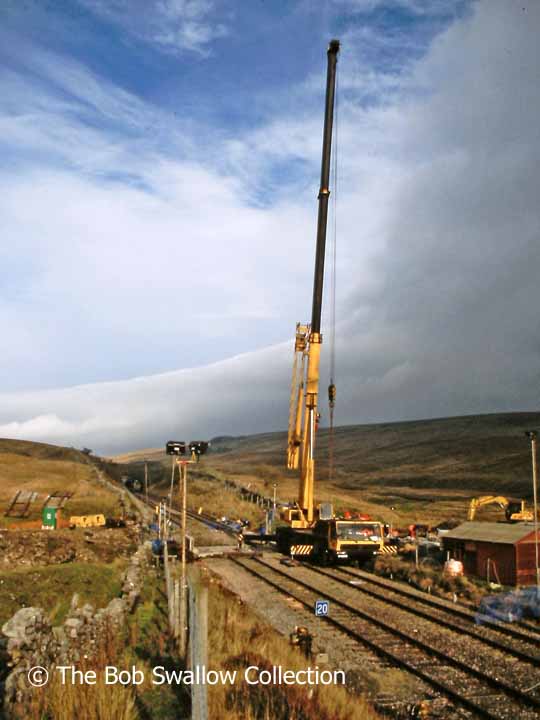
column 172, row 482
column 532, row 435
column 196, row 449
column 183, row 609
column 146, row 480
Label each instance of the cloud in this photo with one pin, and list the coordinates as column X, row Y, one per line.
column 199, row 402
column 439, row 231
column 111, row 239
column 174, row 26
column 415, row 7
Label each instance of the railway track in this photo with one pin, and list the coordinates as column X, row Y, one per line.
column 488, row 681
column 520, row 630
column 494, row 676
column 204, row 518
column 522, row 644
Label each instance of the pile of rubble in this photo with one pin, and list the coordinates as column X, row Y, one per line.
column 31, row 641
column 28, row 548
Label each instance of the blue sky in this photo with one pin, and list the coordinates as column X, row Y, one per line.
column 159, row 166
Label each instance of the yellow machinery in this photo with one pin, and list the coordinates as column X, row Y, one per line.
column 514, row 510
column 309, row 532
column 302, row 422
column 87, row 521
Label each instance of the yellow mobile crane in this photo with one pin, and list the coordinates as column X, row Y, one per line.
column 316, row 533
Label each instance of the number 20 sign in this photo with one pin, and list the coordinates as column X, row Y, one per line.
column 321, row 607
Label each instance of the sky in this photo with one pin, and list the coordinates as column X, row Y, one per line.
column 159, row 171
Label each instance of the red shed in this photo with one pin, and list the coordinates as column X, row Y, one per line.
column 500, row 551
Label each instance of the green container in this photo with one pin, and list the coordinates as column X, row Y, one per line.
column 49, row 517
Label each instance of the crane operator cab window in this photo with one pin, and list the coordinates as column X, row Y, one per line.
column 358, row 531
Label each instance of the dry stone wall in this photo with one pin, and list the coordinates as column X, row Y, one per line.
column 30, row 640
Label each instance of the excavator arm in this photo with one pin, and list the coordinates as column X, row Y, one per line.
column 514, row 509
column 499, row 500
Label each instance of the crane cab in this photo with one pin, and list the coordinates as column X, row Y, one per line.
column 332, row 541
column 345, row 540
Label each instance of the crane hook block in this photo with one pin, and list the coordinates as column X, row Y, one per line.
column 331, row 394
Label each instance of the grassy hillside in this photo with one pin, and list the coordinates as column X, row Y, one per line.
column 420, row 471
column 425, row 470
column 44, row 469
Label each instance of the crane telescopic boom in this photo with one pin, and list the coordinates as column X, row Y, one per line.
column 305, row 385
column 324, row 191
column 319, row 536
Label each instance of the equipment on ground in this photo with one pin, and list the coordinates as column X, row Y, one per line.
column 303, row 639
column 133, row 484
column 417, row 530
column 86, row 521
column 310, row 532
column 50, row 517
column 19, row 507
column 57, row 499
column 514, row 510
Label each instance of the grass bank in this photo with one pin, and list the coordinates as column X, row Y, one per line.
column 237, row 639
column 51, row 587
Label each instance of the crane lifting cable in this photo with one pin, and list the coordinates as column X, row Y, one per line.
column 333, row 274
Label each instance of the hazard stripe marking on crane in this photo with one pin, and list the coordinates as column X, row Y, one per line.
column 389, row 549
column 301, row 549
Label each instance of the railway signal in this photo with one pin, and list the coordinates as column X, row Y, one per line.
column 198, row 448
column 175, row 447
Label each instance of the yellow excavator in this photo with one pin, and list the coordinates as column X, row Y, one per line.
column 310, row 532
column 514, row 510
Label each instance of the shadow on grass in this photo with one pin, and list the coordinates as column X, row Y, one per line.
column 163, row 701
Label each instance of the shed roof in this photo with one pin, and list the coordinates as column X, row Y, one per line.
column 496, row 532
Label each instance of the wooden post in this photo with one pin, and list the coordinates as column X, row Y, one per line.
column 535, row 510
column 169, row 586
column 176, row 632
column 183, row 599
column 146, row 480
column 172, row 485
column 198, row 640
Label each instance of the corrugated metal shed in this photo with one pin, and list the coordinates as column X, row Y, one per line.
column 506, row 533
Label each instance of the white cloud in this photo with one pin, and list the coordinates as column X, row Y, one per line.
column 172, row 25
column 187, row 403
column 439, row 231
column 417, row 7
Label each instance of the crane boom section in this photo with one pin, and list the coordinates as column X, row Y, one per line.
column 305, row 385
column 294, row 440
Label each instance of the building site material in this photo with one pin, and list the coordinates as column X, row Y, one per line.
column 19, row 506
column 87, row 521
